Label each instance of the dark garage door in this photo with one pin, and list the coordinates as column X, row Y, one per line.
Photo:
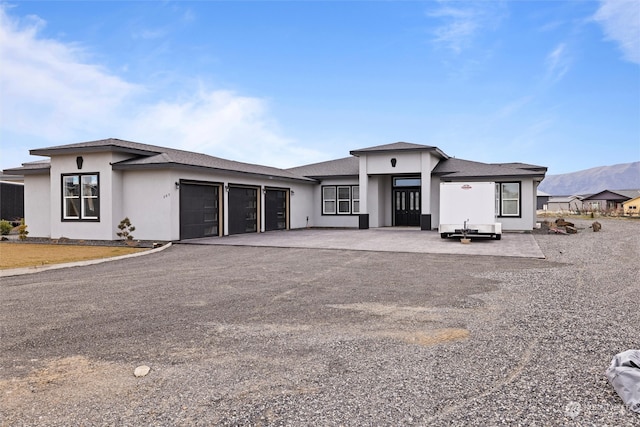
column 243, row 210
column 275, row 210
column 199, row 210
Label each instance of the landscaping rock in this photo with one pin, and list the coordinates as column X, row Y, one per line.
column 141, row 371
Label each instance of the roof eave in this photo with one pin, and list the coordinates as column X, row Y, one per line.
column 441, row 153
column 97, row 149
column 156, row 166
column 27, row 171
column 446, row 175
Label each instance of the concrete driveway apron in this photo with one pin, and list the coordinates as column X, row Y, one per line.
column 411, row 240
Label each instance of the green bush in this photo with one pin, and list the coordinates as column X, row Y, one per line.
column 5, row 227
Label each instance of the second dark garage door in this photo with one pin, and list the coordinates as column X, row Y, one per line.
column 243, row 210
column 275, row 209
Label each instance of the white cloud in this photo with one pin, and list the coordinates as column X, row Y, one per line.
column 46, row 87
column 620, row 20
column 463, row 21
column 52, row 94
column 221, row 123
column 558, row 62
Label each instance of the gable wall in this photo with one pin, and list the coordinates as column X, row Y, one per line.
column 110, row 196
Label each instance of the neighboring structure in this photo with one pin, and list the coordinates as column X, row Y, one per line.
column 85, row 189
column 542, row 199
column 608, row 200
column 631, row 207
column 11, row 201
column 564, row 204
column 11, row 197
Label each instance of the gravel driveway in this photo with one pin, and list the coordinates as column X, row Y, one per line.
column 276, row 336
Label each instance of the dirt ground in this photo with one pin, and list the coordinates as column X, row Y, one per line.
column 17, row 255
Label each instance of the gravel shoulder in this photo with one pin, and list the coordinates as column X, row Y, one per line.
column 273, row 336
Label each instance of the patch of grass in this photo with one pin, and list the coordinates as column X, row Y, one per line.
column 16, row 255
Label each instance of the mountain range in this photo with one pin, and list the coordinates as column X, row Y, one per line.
column 624, row 176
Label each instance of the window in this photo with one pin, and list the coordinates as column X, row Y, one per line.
column 328, row 200
column 344, row 200
column 80, row 197
column 340, row 200
column 407, row 182
column 355, row 199
column 508, row 199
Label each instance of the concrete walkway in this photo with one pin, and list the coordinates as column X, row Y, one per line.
column 411, row 240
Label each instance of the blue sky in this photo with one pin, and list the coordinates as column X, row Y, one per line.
column 554, row 83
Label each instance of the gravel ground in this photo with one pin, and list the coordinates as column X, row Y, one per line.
column 271, row 336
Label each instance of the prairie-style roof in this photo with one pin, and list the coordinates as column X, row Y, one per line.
column 347, row 166
column 399, row 146
column 151, row 156
column 145, row 156
column 614, row 195
column 464, row 169
column 30, row 168
column 564, row 199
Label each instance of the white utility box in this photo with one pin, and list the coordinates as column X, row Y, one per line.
column 468, row 208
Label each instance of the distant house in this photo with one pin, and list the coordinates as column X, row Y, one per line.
column 564, row 204
column 631, row 207
column 85, row 189
column 11, row 197
column 542, row 199
column 608, row 200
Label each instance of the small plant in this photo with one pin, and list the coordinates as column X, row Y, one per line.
column 5, row 227
column 22, row 230
column 126, row 229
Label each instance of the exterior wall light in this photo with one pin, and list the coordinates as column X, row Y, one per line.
column 177, row 185
column 79, row 161
column 393, row 162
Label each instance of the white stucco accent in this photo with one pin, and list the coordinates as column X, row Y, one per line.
column 37, row 205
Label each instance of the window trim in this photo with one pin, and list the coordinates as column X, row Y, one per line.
column 82, row 217
column 336, row 200
column 500, row 200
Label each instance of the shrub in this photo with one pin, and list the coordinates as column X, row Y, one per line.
column 22, row 230
column 5, row 227
column 126, row 229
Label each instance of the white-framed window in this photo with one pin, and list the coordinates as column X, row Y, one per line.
column 81, row 197
column 328, row 200
column 508, row 199
column 340, row 200
column 355, row 199
column 344, row 200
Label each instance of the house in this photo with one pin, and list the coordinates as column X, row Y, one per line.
column 631, row 207
column 542, row 199
column 564, row 203
column 608, row 200
column 85, row 189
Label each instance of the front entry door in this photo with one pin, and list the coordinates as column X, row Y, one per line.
column 406, row 202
